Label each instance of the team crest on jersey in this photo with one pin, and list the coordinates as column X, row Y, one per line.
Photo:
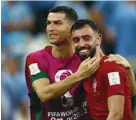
column 67, row 99
column 94, row 85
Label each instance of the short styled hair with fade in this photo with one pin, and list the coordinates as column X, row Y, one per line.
column 68, row 11
column 81, row 23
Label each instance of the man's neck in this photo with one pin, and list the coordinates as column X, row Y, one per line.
column 63, row 51
column 99, row 53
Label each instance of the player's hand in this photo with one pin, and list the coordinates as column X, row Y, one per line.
column 119, row 60
column 88, row 67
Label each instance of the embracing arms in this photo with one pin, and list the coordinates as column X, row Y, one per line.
column 47, row 91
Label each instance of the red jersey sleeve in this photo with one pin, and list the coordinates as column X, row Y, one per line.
column 114, row 77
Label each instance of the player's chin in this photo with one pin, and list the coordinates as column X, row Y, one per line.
column 53, row 41
column 84, row 56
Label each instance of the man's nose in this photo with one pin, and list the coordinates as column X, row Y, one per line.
column 81, row 43
column 51, row 27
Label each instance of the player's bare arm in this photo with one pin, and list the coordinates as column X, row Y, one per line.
column 116, row 107
column 47, row 91
column 122, row 61
column 132, row 81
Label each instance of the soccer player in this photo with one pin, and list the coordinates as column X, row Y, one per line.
column 53, row 73
column 108, row 91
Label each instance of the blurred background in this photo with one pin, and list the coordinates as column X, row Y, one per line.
column 23, row 31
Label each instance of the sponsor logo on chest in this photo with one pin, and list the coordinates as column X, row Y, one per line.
column 62, row 74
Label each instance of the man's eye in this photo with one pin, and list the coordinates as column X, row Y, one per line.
column 48, row 23
column 87, row 38
column 58, row 23
column 75, row 40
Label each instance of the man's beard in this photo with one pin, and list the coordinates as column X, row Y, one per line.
column 85, row 56
column 92, row 51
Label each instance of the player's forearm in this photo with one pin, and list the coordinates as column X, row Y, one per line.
column 132, row 81
column 115, row 116
column 59, row 88
column 116, row 107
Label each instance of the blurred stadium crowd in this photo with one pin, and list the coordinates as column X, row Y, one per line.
column 23, row 26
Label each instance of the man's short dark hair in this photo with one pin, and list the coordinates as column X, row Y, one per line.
column 68, row 11
column 81, row 23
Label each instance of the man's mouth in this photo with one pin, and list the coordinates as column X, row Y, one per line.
column 52, row 35
column 84, row 51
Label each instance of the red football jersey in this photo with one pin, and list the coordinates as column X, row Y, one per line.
column 110, row 79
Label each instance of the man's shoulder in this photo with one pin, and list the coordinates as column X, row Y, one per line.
column 110, row 66
column 41, row 52
column 34, row 54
